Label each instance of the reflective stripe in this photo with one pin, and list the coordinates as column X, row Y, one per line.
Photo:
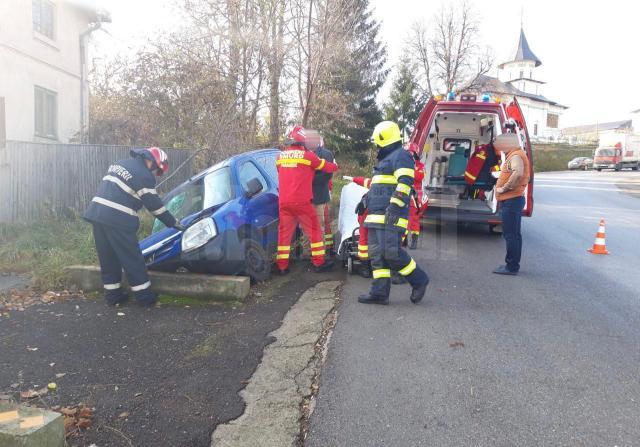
column 414, row 232
column 404, row 172
column 115, row 286
column 292, row 161
column 472, row 177
column 363, row 255
column 322, row 163
column 159, row 211
column 381, row 273
column 284, row 247
column 405, row 189
column 115, row 206
column 317, row 252
column 599, row 241
column 379, row 219
column 328, row 236
column 408, row 269
column 403, row 223
column 144, row 191
column 123, row 186
column 146, row 285
column 317, row 244
column 396, row 201
column 282, row 256
column 481, row 156
column 388, row 179
column 363, row 247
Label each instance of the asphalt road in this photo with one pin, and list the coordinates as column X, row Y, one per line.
column 549, row 358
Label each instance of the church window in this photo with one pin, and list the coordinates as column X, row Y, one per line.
column 521, row 74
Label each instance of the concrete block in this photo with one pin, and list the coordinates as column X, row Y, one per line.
column 22, row 426
column 191, row 285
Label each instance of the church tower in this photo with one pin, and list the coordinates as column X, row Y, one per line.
column 520, row 72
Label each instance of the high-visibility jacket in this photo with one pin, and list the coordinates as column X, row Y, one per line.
column 391, row 184
column 296, row 167
column 125, row 189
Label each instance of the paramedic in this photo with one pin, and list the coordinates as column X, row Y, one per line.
column 510, row 190
column 387, row 219
column 113, row 212
column 415, row 211
column 322, row 193
column 296, row 167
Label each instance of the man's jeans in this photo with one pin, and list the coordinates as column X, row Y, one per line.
column 511, row 210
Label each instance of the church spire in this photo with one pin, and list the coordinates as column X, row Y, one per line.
column 523, row 52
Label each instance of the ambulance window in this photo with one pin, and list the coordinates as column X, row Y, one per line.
column 450, row 144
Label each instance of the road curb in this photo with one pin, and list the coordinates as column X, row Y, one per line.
column 285, row 377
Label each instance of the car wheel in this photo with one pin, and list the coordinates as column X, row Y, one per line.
column 257, row 265
column 599, row 169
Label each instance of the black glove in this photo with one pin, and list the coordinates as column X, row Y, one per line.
column 360, row 208
column 178, row 226
column 392, row 214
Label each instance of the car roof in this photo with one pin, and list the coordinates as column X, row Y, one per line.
column 233, row 159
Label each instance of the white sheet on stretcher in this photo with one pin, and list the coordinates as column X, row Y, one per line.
column 348, row 219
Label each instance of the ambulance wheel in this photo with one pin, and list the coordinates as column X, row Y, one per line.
column 495, row 229
column 350, row 265
column 599, row 169
column 256, row 262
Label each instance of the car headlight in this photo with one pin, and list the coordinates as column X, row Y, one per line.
column 199, row 234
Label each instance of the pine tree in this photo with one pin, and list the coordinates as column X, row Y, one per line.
column 404, row 102
column 350, row 112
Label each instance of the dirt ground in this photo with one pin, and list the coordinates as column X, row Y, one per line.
column 164, row 376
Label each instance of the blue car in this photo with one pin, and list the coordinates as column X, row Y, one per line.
column 231, row 211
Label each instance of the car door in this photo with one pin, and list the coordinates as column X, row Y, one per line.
column 421, row 130
column 514, row 111
column 261, row 210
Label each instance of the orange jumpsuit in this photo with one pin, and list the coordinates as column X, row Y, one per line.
column 415, row 212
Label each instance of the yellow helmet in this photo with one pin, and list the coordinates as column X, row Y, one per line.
column 386, row 133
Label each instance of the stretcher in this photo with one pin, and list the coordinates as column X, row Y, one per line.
column 348, row 224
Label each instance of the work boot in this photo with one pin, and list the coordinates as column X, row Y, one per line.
column 146, row 298
column 365, row 269
column 397, row 278
column 414, row 242
column 327, row 266
column 418, row 292
column 115, row 297
column 503, row 270
column 369, row 299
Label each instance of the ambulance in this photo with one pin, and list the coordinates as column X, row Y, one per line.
column 454, row 136
column 617, row 151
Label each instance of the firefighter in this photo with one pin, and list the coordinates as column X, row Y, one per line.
column 296, row 168
column 387, row 219
column 128, row 185
column 415, row 211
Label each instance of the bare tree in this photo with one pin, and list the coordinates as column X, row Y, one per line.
column 448, row 51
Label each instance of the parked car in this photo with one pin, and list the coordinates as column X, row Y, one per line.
column 231, row 211
column 447, row 133
column 581, row 163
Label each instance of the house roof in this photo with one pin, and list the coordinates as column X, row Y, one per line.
column 495, row 85
column 599, row 127
column 523, row 52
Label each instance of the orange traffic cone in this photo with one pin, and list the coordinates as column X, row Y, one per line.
column 599, row 246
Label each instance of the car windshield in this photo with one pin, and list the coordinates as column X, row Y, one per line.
column 217, row 187
column 182, row 202
column 605, row 152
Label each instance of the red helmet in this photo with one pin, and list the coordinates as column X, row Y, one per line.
column 297, row 136
column 155, row 155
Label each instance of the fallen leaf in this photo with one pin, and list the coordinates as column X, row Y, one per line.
column 123, row 415
column 86, row 412
column 60, row 375
column 68, row 411
column 137, row 395
column 84, row 423
column 31, row 394
column 69, row 424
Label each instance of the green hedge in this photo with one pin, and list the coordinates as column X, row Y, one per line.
column 552, row 157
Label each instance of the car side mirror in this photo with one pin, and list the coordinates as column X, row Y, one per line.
column 253, row 188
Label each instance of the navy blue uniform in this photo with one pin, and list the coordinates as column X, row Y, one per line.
column 388, row 205
column 125, row 189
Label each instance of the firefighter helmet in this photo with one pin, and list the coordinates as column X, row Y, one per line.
column 297, row 136
column 386, row 133
column 155, row 155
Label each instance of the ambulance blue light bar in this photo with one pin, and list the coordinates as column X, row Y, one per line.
column 486, row 97
column 451, row 96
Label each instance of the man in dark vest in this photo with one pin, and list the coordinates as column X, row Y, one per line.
column 322, row 194
column 127, row 187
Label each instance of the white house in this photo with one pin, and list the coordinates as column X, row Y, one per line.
column 518, row 78
column 43, row 72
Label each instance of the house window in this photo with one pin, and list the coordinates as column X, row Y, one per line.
column 44, row 17
column 521, row 74
column 535, row 129
column 46, row 113
column 552, row 120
